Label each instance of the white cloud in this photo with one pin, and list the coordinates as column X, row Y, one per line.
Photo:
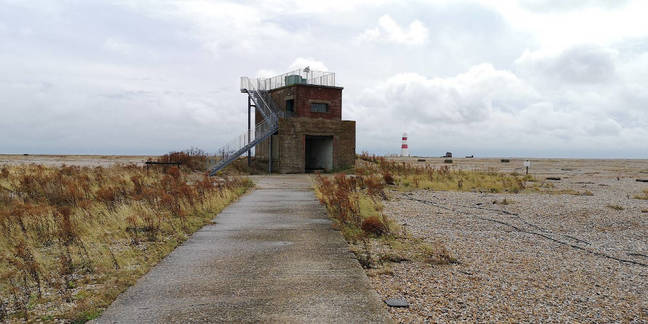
column 264, row 73
column 557, row 24
column 301, row 62
column 389, row 31
column 557, row 5
column 221, row 26
column 118, row 46
column 486, row 107
column 466, row 98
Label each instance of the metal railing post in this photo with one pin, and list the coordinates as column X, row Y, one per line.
column 270, row 157
column 249, row 157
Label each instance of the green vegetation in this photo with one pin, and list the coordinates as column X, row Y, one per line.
column 73, row 238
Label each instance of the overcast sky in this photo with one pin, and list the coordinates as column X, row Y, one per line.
column 540, row 78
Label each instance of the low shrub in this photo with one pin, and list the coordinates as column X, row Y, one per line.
column 354, row 202
column 374, row 225
column 193, row 159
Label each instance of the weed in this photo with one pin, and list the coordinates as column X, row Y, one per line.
column 355, row 204
column 385, row 270
column 388, row 178
column 642, row 196
column 615, row 207
column 374, row 225
column 551, row 191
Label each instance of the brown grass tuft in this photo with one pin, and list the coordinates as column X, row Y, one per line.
column 615, row 207
column 374, row 225
column 643, row 195
column 193, row 159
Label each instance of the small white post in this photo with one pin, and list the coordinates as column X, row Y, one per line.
column 527, row 164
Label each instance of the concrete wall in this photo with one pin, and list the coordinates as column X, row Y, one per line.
column 289, row 145
column 292, row 140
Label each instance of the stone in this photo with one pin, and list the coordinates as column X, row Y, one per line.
column 397, row 302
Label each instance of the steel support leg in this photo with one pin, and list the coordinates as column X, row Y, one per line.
column 249, row 153
column 270, row 157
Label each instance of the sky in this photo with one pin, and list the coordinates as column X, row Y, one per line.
column 527, row 78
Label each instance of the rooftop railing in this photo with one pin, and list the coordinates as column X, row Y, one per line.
column 304, row 76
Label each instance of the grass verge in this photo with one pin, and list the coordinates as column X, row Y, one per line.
column 355, row 205
column 73, row 238
column 406, row 177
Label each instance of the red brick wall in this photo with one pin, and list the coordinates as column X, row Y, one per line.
column 304, row 95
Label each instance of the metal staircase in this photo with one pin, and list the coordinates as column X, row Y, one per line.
column 240, row 145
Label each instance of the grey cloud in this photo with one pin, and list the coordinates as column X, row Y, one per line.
column 582, row 64
column 484, row 106
column 150, row 76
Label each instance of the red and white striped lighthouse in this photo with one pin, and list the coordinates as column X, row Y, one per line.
column 404, row 146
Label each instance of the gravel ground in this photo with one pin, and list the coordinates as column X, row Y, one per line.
column 79, row 160
column 544, row 257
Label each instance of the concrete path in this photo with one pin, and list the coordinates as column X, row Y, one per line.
column 270, row 257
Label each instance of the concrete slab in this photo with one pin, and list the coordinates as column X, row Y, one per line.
column 270, row 257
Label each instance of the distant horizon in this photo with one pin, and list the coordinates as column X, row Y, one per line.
column 454, row 156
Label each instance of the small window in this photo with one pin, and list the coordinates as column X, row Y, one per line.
column 290, row 105
column 319, row 107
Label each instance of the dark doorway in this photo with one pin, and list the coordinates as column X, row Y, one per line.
column 319, row 153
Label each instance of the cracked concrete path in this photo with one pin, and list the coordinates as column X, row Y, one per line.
column 272, row 256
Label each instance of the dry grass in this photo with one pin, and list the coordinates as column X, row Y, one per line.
column 615, row 207
column 407, row 176
column 643, row 195
column 547, row 188
column 355, row 204
column 193, row 159
column 73, row 238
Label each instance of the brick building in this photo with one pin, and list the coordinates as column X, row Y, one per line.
column 298, row 123
column 311, row 134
